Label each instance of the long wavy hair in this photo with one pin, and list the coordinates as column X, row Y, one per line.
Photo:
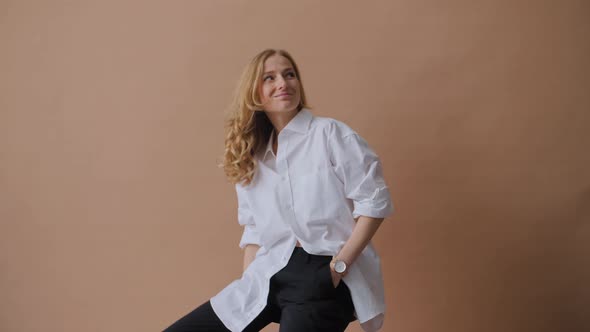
column 247, row 127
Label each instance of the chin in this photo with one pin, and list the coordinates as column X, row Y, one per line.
column 285, row 109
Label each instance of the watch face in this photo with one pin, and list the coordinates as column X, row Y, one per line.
column 339, row 266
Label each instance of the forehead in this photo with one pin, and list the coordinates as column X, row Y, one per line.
column 276, row 62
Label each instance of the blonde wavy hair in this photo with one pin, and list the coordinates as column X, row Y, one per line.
column 247, row 126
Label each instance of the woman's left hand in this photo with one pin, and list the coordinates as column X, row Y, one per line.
column 336, row 277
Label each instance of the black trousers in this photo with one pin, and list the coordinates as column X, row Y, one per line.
column 302, row 297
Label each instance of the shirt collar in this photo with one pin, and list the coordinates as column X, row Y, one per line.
column 299, row 123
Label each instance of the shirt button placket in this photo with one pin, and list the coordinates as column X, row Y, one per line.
column 286, row 192
column 283, row 169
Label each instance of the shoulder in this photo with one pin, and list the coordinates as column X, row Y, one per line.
column 341, row 140
column 332, row 128
column 239, row 188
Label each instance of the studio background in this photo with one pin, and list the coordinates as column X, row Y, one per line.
column 114, row 216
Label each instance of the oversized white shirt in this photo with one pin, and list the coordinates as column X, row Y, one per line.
column 323, row 177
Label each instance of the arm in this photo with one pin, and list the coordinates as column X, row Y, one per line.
column 250, row 240
column 363, row 231
column 359, row 169
column 249, row 254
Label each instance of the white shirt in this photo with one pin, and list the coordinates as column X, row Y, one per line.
column 323, row 176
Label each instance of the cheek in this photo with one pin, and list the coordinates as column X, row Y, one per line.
column 262, row 94
column 265, row 92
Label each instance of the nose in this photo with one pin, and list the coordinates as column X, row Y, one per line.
column 281, row 83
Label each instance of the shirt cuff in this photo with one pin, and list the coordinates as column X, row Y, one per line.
column 378, row 206
column 250, row 236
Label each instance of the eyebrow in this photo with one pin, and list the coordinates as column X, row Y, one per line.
column 270, row 72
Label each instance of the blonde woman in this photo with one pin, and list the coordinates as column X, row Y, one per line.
column 311, row 195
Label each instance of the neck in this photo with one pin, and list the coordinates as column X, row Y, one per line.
column 280, row 120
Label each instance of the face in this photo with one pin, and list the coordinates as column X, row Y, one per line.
column 279, row 89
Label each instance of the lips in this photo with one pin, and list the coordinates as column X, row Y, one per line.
column 283, row 94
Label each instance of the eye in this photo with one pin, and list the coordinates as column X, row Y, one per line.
column 291, row 73
column 264, row 79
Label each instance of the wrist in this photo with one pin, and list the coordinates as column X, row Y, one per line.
column 339, row 265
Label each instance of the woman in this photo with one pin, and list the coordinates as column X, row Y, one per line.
column 311, row 195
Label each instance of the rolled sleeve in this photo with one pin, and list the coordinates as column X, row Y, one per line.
column 359, row 169
column 246, row 219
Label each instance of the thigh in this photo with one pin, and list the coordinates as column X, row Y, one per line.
column 268, row 315
column 328, row 309
column 203, row 318
column 312, row 318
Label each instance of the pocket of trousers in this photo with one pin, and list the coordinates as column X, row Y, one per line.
column 328, row 273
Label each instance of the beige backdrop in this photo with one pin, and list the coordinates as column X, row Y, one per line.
column 114, row 216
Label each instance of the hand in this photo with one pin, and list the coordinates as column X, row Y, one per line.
column 336, row 277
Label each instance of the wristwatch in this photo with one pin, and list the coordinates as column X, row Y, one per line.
column 340, row 266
